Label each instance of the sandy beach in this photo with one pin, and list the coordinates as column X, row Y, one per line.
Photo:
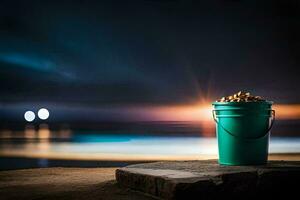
column 64, row 183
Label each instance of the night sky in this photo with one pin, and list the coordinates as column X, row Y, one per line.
column 147, row 52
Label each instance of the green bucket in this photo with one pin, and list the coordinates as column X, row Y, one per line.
column 243, row 131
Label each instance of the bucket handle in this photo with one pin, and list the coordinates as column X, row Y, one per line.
column 272, row 122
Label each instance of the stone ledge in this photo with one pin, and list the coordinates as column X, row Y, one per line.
column 196, row 179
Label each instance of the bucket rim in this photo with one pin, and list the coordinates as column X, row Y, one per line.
column 215, row 103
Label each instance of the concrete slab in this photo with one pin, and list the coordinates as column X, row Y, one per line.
column 207, row 179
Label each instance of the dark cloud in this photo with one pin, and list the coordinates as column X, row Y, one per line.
column 159, row 52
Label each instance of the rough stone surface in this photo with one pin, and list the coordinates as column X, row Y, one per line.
column 207, row 179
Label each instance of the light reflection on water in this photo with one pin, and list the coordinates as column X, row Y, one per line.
column 94, row 146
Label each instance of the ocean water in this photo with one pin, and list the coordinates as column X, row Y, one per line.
column 43, row 147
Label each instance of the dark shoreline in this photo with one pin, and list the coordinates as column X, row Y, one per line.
column 14, row 163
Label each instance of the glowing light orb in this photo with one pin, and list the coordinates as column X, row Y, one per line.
column 29, row 116
column 43, row 113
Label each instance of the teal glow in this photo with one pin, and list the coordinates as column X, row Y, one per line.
column 27, row 61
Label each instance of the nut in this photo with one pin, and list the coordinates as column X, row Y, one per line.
column 241, row 96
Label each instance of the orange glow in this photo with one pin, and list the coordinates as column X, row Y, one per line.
column 285, row 111
column 203, row 112
column 179, row 113
column 43, row 132
column 29, row 132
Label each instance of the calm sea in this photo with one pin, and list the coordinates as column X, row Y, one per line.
column 43, row 147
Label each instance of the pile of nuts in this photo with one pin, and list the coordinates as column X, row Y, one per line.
column 241, row 97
